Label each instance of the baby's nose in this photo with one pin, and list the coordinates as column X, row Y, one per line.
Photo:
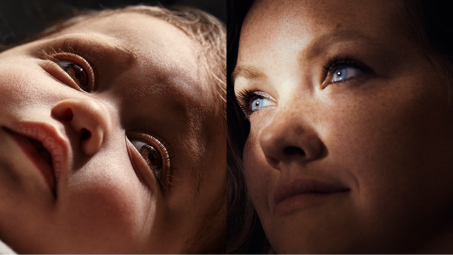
column 88, row 119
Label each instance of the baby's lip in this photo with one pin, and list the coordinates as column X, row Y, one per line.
column 55, row 143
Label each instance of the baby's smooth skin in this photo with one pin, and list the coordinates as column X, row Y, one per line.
column 351, row 140
column 143, row 84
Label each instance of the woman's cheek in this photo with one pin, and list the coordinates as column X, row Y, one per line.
column 258, row 173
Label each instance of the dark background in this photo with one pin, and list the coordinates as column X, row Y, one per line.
column 20, row 19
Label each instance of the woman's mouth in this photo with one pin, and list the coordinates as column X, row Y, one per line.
column 303, row 193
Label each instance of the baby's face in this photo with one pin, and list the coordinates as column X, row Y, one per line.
column 109, row 140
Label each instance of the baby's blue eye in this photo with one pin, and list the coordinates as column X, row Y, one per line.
column 345, row 72
column 259, row 103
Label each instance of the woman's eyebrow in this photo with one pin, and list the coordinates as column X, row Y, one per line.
column 320, row 43
column 246, row 71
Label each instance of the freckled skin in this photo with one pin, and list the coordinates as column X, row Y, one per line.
column 387, row 136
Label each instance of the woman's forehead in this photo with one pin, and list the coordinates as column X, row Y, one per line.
column 302, row 17
column 281, row 30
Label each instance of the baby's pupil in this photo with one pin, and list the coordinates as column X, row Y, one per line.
column 78, row 74
column 151, row 156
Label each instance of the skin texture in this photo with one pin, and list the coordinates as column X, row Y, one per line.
column 108, row 200
column 385, row 134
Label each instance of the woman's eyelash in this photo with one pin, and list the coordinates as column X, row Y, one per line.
column 336, row 63
column 244, row 98
column 253, row 101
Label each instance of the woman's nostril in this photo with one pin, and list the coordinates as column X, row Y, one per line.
column 293, row 151
column 85, row 134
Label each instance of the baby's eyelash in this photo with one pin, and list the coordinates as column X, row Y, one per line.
column 170, row 158
column 65, row 47
column 165, row 151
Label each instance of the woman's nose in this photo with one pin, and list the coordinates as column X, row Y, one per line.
column 87, row 119
column 290, row 139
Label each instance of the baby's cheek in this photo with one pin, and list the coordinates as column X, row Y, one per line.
column 109, row 201
column 16, row 85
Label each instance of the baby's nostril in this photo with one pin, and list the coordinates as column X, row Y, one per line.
column 85, row 134
column 67, row 115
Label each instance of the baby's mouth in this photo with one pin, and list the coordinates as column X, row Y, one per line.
column 45, row 147
column 42, row 150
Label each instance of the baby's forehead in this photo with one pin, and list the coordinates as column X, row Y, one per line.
column 148, row 37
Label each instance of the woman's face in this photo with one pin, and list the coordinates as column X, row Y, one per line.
column 106, row 145
column 351, row 140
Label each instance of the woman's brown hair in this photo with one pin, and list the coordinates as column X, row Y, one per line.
column 244, row 231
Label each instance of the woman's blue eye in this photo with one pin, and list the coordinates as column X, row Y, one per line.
column 345, row 72
column 253, row 101
column 259, row 102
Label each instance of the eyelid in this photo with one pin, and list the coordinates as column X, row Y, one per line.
column 69, row 50
column 162, row 147
column 79, row 60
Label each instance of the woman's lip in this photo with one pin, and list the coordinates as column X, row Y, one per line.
column 301, row 193
column 50, row 138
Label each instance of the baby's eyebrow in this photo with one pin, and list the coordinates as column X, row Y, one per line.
column 95, row 45
column 116, row 48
